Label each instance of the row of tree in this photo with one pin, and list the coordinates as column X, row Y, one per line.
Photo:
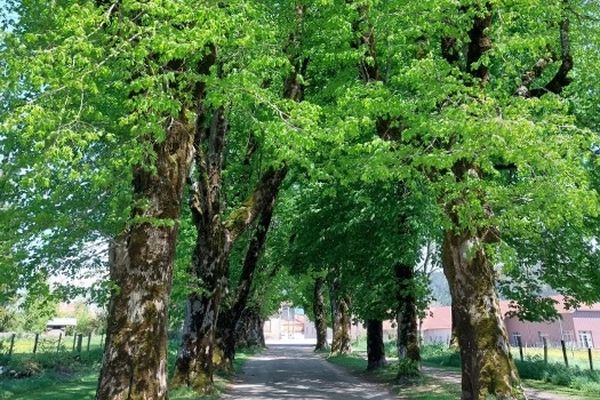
column 358, row 132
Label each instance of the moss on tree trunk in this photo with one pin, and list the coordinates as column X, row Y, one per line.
column 341, row 343
column 407, row 341
column 135, row 357
column 487, row 366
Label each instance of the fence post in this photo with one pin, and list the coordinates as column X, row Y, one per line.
column 79, row 342
column 88, row 342
column 590, row 358
column 12, row 344
column 564, row 351
column 520, row 347
column 74, row 340
column 35, row 343
column 101, row 340
column 545, row 350
column 59, row 339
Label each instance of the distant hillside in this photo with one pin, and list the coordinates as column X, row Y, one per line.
column 439, row 288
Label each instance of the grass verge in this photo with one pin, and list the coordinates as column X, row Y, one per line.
column 419, row 387
column 72, row 377
column 553, row 376
column 429, row 387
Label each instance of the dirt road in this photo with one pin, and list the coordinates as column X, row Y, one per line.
column 287, row 372
column 294, row 372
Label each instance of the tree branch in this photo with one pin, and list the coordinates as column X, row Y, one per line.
column 479, row 44
column 264, row 193
column 528, row 77
column 252, row 256
column 561, row 78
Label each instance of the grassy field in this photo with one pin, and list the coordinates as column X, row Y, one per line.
column 417, row 388
column 47, row 343
column 69, row 377
column 430, row 388
column 577, row 357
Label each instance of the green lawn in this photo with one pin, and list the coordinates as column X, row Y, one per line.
column 421, row 387
column 52, row 385
column 430, row 388
column 79, row 383
column 48, row 344
column 78, row 386
column 577, row 357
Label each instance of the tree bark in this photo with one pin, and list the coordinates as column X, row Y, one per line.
column 320, row 318
column 375, row 345
column 135, row 357
column 487, row 365
column 249, row 330
column 407, row 341
column 194, row 366
column 197, row 357
column 341, row 335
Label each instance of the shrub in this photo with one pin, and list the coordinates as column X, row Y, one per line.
column 440, row 354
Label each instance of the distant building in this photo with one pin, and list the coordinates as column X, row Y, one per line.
column 578, row 327
column 290, row 323
column 60, row 324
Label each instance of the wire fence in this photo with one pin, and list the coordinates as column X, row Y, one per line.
column 568, row 355
column 37, row 343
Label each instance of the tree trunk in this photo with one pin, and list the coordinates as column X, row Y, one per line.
column 320, row 319
column 135, row 357
column 249, row 330
column 195, row 363
column 407, row 341
column 341, row 335
column 197, row 357
column 226, row 339
column 487, row 365
column 375, row 346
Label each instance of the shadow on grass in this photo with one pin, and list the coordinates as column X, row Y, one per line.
column 80, row 383
column 408, row 387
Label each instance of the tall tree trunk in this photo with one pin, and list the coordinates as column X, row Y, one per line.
column 341, row 335
column 135, row 357
column 320, row 318
column 375, row 345
column 229, row 319
column 195, row 362
column 487, row 365
column 197, row 356
column 194, row 366
column 249, row 330
column 407, row 341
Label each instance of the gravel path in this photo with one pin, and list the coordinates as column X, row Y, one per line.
column 295, row 372
column 288, row 372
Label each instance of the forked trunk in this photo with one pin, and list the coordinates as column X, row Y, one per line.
column 135, row 356
column 408, row 335
column 320, row 318
column 375, row 345
column 487, row 366
column 229, row 319
column 341, row 335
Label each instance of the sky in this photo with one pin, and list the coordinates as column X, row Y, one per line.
column 5, row 14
